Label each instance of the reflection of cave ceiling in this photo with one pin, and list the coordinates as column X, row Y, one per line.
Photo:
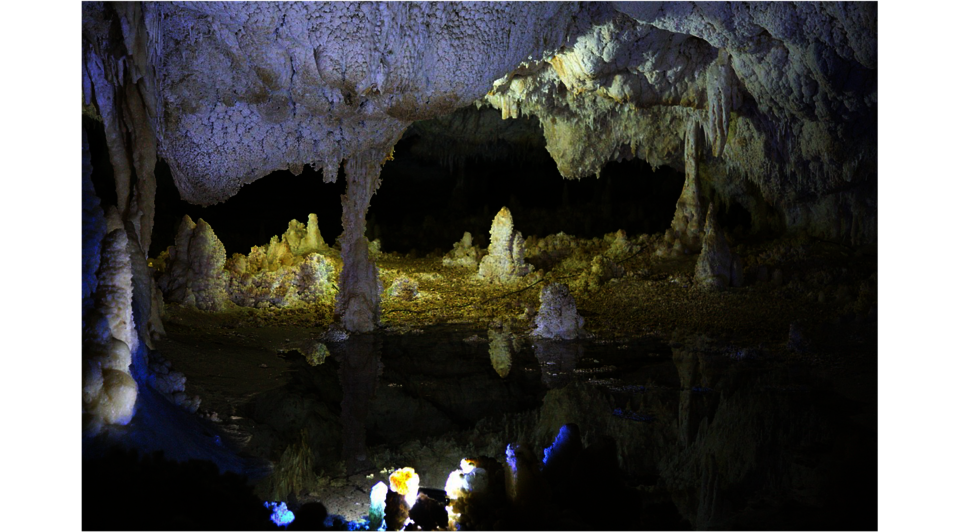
column 785, row 94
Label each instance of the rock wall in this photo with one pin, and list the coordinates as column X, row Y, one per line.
column 785, row 94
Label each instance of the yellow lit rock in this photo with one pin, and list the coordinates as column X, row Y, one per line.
column 404, row 481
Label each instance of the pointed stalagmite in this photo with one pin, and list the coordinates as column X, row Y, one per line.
column 504, row 262
column 718, row 267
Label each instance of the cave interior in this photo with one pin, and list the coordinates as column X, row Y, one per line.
column 585, row 265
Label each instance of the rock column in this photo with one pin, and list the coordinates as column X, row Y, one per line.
column 358, row 302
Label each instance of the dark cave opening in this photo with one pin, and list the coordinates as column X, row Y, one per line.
column 422, row 206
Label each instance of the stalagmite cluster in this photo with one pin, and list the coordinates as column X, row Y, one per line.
column 464, row 254
column 291, row 269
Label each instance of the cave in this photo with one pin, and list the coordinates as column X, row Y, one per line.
column 502, row 266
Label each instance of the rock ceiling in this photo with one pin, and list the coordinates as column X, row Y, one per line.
column 784, row 94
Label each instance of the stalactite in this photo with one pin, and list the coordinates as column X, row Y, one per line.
column 721, row 82
column 358, row 302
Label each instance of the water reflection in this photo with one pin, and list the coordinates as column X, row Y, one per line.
column 360, row 370
column 503, row 344
column 558, row 360
column 714, row 440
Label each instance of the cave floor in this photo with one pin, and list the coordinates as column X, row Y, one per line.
column 814, row 322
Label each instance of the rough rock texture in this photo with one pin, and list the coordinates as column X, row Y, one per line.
column 248, row 88
column 718, row 267
column 109, row 338
column 194, row 274
column 557, row 318
column 686, row 229
column 464, row 254
column 358, row 301
column 786, row 94
column 504, row 260
column 94, row 229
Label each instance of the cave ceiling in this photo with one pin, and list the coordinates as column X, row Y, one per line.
column 785, row 94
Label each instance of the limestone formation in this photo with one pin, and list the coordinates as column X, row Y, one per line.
column 557, row 318
column 718, row 267
column 358, row 301
column 109, row 339
column 685, row 233
column 194, row 274
column 504, row 261
column 464, row 254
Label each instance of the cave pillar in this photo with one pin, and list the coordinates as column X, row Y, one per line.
column 688, row 220
column 358, row 301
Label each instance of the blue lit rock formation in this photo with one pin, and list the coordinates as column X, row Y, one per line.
column 109, row 340
column 557, row 318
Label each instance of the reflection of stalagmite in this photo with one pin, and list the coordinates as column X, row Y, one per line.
column 359, row 358
column 502, row 345
column 557, row 361
column 358, row 302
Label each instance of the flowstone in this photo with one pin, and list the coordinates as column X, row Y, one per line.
column 504, row 262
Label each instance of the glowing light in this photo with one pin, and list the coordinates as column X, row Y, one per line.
column 406, row 482
column 454, row 485
column 466, row 479
column 378, row 504
column 281, row 515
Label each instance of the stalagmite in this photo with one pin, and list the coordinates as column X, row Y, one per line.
column 558, row 318
column 685, row 230
column 195, row 273
column 109, row 338
column 718, row 267
column 504, row 262
column 358, row 302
